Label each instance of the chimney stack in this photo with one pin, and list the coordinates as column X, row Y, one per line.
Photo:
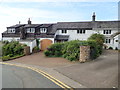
column 93, row 17
column 29, row 22
column 19, row 22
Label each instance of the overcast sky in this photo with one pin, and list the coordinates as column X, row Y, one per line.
column 52, row 11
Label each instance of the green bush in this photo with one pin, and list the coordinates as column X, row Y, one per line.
column 54, row 50
column 5, row 58
column 35, row 49
column 47, row 53
column 12, row 48
column 71, row 50
column 99, row 38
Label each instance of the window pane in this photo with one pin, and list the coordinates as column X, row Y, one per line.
column 109, row 40
column 65, row 31
column 83, row 31
column 80, row 31
column 109, row 31
column 62, row 31
column 104, row 32
column 77, row 31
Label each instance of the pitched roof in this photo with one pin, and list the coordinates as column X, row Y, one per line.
column 45, row 25
column 32, row 25
column 53, row 29
column 106, row 24
column 74, row 25
column 17, row 25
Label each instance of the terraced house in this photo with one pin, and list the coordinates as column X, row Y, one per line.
column 63, row 31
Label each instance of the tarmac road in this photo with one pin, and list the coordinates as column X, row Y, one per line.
column 17, row 77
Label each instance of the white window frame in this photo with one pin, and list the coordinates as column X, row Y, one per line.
column 107, row 31
column 63, row 31
column 30, row 30
column 43, row 30
column 11, row 30
column 81, row 31
column 107, row 40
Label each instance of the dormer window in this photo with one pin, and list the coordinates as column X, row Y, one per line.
column 30, row 30
column 43, row 30
column 11, row 30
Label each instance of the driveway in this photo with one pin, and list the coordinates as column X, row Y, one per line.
column 100, row 73
column 40, row 59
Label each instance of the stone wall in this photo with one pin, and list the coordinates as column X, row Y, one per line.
column 27, row 50
column 84, row 53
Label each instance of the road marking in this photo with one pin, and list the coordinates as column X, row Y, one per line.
column 56, row 81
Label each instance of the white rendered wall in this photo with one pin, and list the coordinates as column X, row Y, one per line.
column 32, row 44
column 11, row 38
column 73, row 35
column 100, row 30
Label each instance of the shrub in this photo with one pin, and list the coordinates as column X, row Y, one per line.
column 5, row 58
column 71, row 50
column 12, row 48
column 54, row 50
column 35, row 49
column 97, row 37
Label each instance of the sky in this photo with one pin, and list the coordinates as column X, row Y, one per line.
column 52, row 11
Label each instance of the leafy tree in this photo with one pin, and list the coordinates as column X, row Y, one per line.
column 99, row 38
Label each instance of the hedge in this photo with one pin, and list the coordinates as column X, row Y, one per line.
column 12, row 49
column 54, row 50
column 71, row 50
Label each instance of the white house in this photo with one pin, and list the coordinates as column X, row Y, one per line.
column 63, row 31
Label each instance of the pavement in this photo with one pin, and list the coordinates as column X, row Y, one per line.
column 99, row 73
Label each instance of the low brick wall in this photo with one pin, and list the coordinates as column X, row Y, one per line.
column 84, row 53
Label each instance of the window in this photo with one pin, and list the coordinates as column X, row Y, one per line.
column 106, row 31
column 64, row 31
column 11, row 30
column 30, row 30
column 81, row 31
column 116, row 40
column 107, row 40
column 43, row 30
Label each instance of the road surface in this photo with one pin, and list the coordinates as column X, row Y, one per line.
column 17, row 77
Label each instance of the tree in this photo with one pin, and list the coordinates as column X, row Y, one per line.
column 97, row 37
